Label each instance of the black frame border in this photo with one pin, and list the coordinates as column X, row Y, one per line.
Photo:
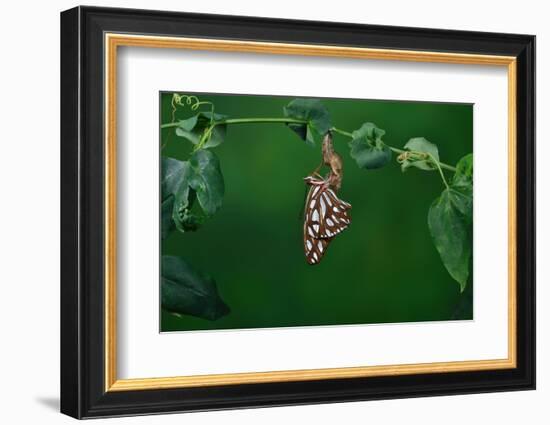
column 82, row 212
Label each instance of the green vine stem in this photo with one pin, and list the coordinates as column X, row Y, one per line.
column 342, row 132
column 440, row 165
column 246, row 121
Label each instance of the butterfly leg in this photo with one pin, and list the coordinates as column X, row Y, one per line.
column 316, row 171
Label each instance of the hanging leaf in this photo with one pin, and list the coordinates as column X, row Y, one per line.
column 186, row 291
column 172, row 172
column 314, row 113
column 166, row 222
column 193, row 128
column 207, row 180
column 172, row 175
column 187, row 125
column 464, row 175
column 462, row 182
column 367, row 147
column 421, row 153
column 450, row 224
column 187, row 216
column 201, row 180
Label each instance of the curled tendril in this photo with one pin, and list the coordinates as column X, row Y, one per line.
column 189, row 100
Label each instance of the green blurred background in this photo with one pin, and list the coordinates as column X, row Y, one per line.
column 383, row 268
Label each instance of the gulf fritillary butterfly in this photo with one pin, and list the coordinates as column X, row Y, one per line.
column 325, row 216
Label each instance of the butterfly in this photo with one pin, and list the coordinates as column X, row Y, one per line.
column 325, row 216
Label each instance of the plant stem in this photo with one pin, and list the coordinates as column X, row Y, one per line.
column 440, row 170
column 447, row 167
column 246, row 121
column 396, row 150
column 342, row 132
column 440, row 165
column 261, row 120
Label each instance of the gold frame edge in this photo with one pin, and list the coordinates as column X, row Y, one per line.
column 113, row 41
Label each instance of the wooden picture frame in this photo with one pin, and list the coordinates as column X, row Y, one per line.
column 90, row 38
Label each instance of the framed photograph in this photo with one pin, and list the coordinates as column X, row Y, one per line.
column 261, row 212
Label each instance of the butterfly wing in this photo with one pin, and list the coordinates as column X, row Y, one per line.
column 325, row 216
column 314, row 247
column 334, row 214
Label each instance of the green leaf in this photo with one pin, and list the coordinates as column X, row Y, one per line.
column 367, row 147
column 172, row 176
column 450, row 223
column 193, row 128
column 314, row 113
column 183, row 198
column 202, row 180
column 172, row 172
column 186, row 291
column 186, row 215
column 187, row 124
column 421, row 150
column 185, row 130
column 207, row 181
column 166, row 222
column 464, row 175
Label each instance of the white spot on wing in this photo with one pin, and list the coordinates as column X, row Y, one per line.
column 308, row 243
column 323, row 207
column 315, row 228
column 329, row 222
column 315, row 215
